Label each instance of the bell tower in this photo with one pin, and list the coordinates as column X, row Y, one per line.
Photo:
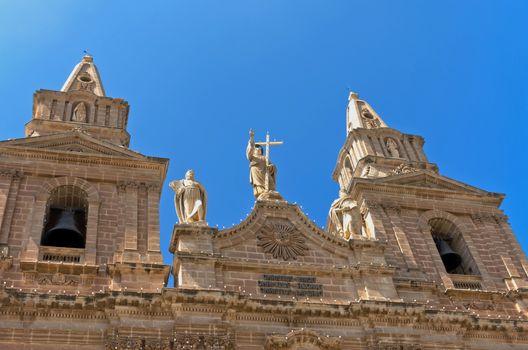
column 372, row 149
column 438, row 232
column 81, row 103
column 79, row 211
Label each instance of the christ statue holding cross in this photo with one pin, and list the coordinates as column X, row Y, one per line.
column 262, row 173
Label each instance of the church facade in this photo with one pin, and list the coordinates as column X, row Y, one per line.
column 409, row 259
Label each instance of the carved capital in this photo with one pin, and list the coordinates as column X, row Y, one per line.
column 482, row 218
column 152, row 186
column 391, row 209
column 229, row 315
column 372, row 204
column 501, row 218
column 122, row 186
column 133, row 185
column 12, row 173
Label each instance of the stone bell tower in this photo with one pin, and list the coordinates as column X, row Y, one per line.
column 82, row 103
column 79, row 211
column 372, row 149
column 449, row 242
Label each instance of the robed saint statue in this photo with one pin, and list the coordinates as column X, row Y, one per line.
column 190, row 199
column 344, row 217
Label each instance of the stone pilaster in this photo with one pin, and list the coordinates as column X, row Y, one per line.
column 153, row 227
column 393, row 214
column 131, row 222
column 8, row 196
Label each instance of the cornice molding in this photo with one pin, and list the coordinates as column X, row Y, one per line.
column 172, row 302
column 365, row 185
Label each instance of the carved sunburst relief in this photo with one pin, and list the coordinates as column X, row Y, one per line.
column 282, row 240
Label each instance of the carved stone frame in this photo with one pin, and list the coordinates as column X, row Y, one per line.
column 464, row 229
column 35, row 225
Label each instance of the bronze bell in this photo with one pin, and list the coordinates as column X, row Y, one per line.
column 65, row 231
column 450, row 258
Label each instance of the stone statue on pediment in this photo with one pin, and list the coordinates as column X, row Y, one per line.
column 344, row 217
column 262, row 172
column 190, row 199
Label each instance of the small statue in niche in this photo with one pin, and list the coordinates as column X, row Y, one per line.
column 190, row 199
column 79, row 113
column 392, row 148
column 344, row 217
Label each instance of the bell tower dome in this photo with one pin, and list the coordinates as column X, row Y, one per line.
column 80, row 104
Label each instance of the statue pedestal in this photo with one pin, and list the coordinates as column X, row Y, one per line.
column 270, row 195
column 193, row 264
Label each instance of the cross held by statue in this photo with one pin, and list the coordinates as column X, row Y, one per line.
column 267, row 144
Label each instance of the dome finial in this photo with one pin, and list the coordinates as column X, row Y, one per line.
column 87, row 56
column 352, row 95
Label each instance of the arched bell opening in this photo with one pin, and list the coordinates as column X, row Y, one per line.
column 452, row 248
column 65, row 220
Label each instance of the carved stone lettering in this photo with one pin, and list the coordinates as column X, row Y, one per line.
column 290, row 285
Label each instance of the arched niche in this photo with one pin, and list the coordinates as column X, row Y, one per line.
column 439, row 225
column 66, row 217
column 80, row 112
column 449, row 241
column 39, row 212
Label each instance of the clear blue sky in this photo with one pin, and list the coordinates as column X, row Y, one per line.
column 199, row 74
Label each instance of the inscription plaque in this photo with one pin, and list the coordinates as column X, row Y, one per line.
column 290, row 285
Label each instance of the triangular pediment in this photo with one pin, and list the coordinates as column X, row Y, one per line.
column 429, row 180
column 277, row 252
column 76, row 142
column 281, row 232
